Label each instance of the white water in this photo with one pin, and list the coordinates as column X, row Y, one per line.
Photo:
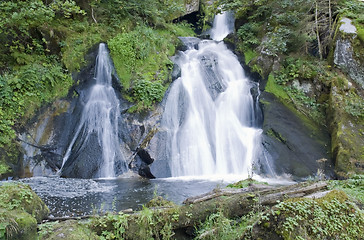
column 100, row 116
column 209, row 112
column 220, row 27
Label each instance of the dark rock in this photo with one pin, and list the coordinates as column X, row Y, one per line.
column 293, row 142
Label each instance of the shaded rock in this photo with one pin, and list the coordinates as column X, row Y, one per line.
column 293, row 142
column 347, row 135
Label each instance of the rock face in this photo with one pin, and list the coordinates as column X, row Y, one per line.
column 296, row 146
column 346, row 57
column 192, row 6
column 347, row 135
column 345, row 60
column 47, row 139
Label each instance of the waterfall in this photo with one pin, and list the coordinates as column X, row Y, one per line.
column 98, row 125
column 209, row 115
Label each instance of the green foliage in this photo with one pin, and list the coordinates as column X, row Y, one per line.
column 45, row 229
column 217, row 226
column 146, row 93
column 330, row 217
column 248, row 35
column 354, row 105
column 141, row 61
column 4, row 168
column 25, row 89
column 21, row 22
column 115, row 226
column 15, row 196
column 277, row 41
column 353, row 186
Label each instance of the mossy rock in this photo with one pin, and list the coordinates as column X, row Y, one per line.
column 330, row 217
column 347, row 134
column 17, row 196
column 69, row 230
column 159, row 201
column 17, row 224
column 245, row 183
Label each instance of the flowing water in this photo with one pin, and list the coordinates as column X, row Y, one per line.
column 211, row 124
column 98, row 126
column 210, row 113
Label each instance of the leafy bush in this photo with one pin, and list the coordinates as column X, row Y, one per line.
column 25, row 90
column 330, row 217
column 248, row 35
column 141, row 59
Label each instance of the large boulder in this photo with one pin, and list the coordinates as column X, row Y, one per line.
column 295, row 144
column 20, row 210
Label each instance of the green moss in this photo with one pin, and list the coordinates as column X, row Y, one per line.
column 249, row 55
column 245, row 183
column 68, row 230
column 275, row 89
column 271, row 132
column 16, row 196
column 332, row 216
column 353, row 187
column 4, row 169
column 360, row 33
column 18, row 225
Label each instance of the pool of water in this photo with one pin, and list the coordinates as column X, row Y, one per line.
column 79, row 197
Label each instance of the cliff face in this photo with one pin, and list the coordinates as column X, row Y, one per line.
column 320, row 80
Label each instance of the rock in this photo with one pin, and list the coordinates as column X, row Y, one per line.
column 344, row 58
column 16, row 196
column 293, row 142
column 20, row 210
column 19, row 225
column 347, row 135
column 69, row 230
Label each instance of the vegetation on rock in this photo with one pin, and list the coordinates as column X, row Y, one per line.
column 20, row 210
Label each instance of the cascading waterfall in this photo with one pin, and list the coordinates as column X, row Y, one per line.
column 209, row 114
column 98, row 125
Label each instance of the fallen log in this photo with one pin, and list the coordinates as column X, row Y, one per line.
column 232, row 202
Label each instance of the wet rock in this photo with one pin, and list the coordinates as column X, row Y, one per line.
column 293, row 142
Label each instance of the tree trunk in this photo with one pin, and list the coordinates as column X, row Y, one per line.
column 317, row 31
column 232, row 202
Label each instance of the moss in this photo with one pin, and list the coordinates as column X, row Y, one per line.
column 275, row 89
column 18, row 224
column 159, row 201
column 271, row 132
column 245, row 183
column 346, row 140
column 360, row 33
column 330, row 217
column 69, row 230
column 16, row 196
column 249, row 55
